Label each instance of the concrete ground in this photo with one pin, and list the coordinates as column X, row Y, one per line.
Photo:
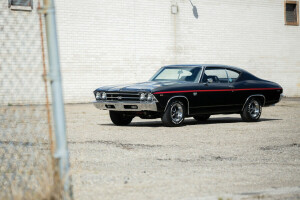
column 223, row 158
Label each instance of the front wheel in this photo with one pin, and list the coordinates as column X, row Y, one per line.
column 119, row 118
column 252, row 111
column 174, row 114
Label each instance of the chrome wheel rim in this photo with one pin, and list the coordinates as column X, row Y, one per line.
column 177, row 113
column 254, row 109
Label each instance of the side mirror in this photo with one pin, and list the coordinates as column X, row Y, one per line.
column 210, row 80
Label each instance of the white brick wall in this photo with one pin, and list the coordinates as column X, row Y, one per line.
column 123, row 41
column 246, row 34
column 112, row 41
column 21, row 66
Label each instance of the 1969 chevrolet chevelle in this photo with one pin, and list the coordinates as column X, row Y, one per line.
column 179, row 91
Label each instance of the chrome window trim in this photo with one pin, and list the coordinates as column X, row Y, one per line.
column 202, row 70
column 188, row 106
column 222, row 67
column 162, row 68
column 254, row 95
column 227, row 76
column 156, row 74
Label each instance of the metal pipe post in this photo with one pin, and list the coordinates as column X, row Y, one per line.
column 61, row 149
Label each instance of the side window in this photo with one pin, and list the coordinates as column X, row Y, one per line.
column 232, row 75
column 214, row 75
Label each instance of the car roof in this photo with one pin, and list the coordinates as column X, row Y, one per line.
column 208, row 65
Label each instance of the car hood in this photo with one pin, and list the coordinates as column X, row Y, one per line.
column 139, row 87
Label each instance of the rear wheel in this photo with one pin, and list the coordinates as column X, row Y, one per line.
column 252, row 111
column 119, row 118
column 201, row 118
column 174, row 114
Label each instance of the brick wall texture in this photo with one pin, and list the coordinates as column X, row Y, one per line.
column 105, row 42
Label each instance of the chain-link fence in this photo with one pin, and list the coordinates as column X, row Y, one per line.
column 26, row 146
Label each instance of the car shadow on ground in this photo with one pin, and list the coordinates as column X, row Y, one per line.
column 191, row 121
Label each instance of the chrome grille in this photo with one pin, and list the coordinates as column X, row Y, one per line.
column 122, row 96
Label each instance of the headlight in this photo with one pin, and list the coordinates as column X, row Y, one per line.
column 98, row 95
column 142, row 97
column 147, row 97
column 150, row 97
column 103, row 96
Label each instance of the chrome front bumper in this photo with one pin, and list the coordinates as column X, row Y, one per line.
column 125, row 106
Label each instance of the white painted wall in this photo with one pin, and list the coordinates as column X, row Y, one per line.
column 105, row 42
column 112, row 41
column 21, row 66
column 246, row 34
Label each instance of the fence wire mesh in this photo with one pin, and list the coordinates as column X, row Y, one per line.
column 26, row 164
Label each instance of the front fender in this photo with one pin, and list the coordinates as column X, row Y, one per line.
column 165, row 99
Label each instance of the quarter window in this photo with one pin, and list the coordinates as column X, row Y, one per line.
column 215, row 75
column 291, row 13
column 232, row 75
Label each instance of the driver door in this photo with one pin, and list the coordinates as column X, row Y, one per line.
column 215, row 93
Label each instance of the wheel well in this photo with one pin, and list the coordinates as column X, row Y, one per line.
column 259, row 97
column 181, row 98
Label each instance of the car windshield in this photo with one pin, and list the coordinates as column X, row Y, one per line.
column 190, row 74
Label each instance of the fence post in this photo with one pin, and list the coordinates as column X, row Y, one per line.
column 61, row 147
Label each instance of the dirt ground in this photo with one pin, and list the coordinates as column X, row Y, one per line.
column 223, row 158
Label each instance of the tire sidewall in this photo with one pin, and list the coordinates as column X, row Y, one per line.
column 247, row 110
column 167, row 116
column 118, row 118
column 183, row 111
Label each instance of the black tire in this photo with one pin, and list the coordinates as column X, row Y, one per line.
column 119, row 118
column 174, row 114
column 252, row 110
column 201, row 118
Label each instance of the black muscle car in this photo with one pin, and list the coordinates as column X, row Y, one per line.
column 179, row 91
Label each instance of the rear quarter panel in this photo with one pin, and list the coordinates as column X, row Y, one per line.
column 244, row 89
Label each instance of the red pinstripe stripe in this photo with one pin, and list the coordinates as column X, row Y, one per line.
column 219, row 90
